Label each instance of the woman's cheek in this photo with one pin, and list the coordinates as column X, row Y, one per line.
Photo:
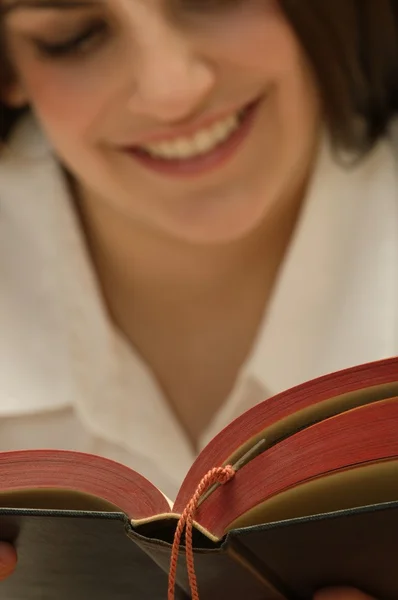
column 266, row 43
column 59, row 101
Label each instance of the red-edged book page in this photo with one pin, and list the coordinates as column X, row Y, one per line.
column 272, row 410
column 367, row 434
column 82, row 473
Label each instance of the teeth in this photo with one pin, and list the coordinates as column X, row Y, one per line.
column 202, row 142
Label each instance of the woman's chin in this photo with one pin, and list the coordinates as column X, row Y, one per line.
column 217, row 229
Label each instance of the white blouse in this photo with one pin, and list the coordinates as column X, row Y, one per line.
column 69, row 379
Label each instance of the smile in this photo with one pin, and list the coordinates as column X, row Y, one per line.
column 206, row 149
column 201, row 143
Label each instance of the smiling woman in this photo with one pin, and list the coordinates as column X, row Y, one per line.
column 179, row 238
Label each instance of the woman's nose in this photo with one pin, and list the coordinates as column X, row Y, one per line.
column 172, row 80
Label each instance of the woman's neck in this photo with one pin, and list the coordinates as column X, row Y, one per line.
column 191, row 312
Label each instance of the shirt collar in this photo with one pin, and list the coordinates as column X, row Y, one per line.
column 55, row 326
column 335, row 303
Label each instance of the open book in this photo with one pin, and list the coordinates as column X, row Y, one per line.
column 313, row 502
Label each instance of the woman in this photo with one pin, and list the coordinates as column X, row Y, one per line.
column 179, row 239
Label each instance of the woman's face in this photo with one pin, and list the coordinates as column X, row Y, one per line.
column 195, row 118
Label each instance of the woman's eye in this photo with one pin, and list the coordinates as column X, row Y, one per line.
column 76, row 45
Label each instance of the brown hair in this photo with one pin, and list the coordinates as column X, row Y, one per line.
column 353, row 48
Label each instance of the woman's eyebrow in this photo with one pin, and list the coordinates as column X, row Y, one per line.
column 10, row 7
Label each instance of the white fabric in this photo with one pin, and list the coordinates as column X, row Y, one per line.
column 68, row 379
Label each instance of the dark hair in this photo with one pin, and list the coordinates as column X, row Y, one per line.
column 353, row 48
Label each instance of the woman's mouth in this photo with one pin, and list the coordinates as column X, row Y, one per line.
column 205, row 150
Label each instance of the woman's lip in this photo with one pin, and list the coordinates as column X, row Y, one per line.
column 202, row 164
column 190, row 131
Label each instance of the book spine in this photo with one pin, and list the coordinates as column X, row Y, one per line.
column 223, row 571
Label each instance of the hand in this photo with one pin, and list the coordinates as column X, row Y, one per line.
column 342, row 593
column 8, row 560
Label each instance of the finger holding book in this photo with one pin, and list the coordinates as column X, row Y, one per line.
column 8, row 560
